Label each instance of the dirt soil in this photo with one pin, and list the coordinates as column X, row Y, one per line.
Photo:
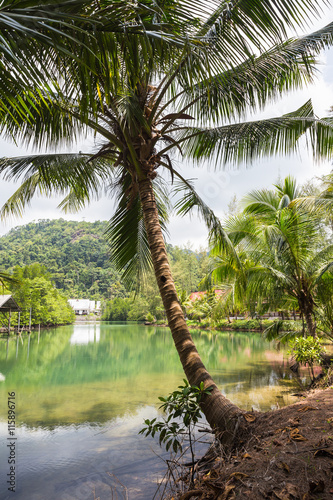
column 288, row 456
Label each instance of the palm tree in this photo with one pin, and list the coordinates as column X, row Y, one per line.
column 283, row 257
column 146, row 99
column 202, row 306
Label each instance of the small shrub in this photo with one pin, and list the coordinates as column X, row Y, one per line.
column 307, row 350
column 245, row 324
column 183, row 404
column 222, row 323
column 150, row 318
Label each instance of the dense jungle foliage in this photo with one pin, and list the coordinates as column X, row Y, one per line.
column 74, row 253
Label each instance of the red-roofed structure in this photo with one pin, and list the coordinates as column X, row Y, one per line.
column 200, row 295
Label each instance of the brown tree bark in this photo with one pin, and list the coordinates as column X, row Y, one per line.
column 220, row 412
column 305, row 303
column 306, row 309
column 310, row 323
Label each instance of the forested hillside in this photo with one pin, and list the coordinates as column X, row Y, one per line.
column 74, row 253
column 76, row 256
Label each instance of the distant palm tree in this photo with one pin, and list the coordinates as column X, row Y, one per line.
column 283, row 256
column 148, row 97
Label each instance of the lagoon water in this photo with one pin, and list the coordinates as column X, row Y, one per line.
column 82, row 392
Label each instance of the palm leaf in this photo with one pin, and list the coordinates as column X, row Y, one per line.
column 261, row 22
column 54, row 173
column 274, row 332
column 244, row 142
column 258, row 80
column 241, row 230
column 235, row 28
column 322, row 270
column 126, row 233
column 190, row 200
column 261, row 202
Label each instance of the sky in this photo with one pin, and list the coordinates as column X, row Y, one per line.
column 217, row 187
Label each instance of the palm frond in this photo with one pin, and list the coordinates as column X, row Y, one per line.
column 190, row 201
column 241, row 229
column 321, row 203
column 244, row 142
column 274, row 273
column 126, row 233
column 260, row 202
column 328, row 266
column 51, row 119
column 288, row 187
column 53, row 173
column 274, row 332
column 236, row 28
column 17, row 202
column 258, row 80
column 34, row 119
column 263, row 22
column 35, row 37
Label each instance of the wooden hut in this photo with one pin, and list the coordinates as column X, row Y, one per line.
column 7, row 306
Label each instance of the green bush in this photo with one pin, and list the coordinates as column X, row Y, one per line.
column 35, row 290
column 248, row 324
column 116, row 310
column 150, row 318
column 239, row 324
column 223, row 323
column 256, row 324
column 292, row 326
column 307, row 350
column 123, row 309
column 182, row 412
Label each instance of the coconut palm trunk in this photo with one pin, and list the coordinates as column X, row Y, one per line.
column 221, row 413
column 310, row 324
column 306, row 305
column 307, row 312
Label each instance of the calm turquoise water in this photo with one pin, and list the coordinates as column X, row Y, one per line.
column 82, row 392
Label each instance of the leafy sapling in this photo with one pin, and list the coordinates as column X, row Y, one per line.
column 182, row 409
column 307, row 350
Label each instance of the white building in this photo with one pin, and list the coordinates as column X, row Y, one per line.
column 85, row 306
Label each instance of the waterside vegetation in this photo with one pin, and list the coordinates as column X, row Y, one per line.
column 40, row 302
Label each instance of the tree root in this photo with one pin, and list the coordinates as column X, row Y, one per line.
column 191, row 493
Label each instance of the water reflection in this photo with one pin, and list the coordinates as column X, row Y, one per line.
column 85, row 334
column 83, row 390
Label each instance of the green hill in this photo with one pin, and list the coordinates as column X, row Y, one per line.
column 76, row 256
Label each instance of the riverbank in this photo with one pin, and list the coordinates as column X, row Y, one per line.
column 241, row 325
column 253, row 325
column 85, row 318
column 288, row 455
